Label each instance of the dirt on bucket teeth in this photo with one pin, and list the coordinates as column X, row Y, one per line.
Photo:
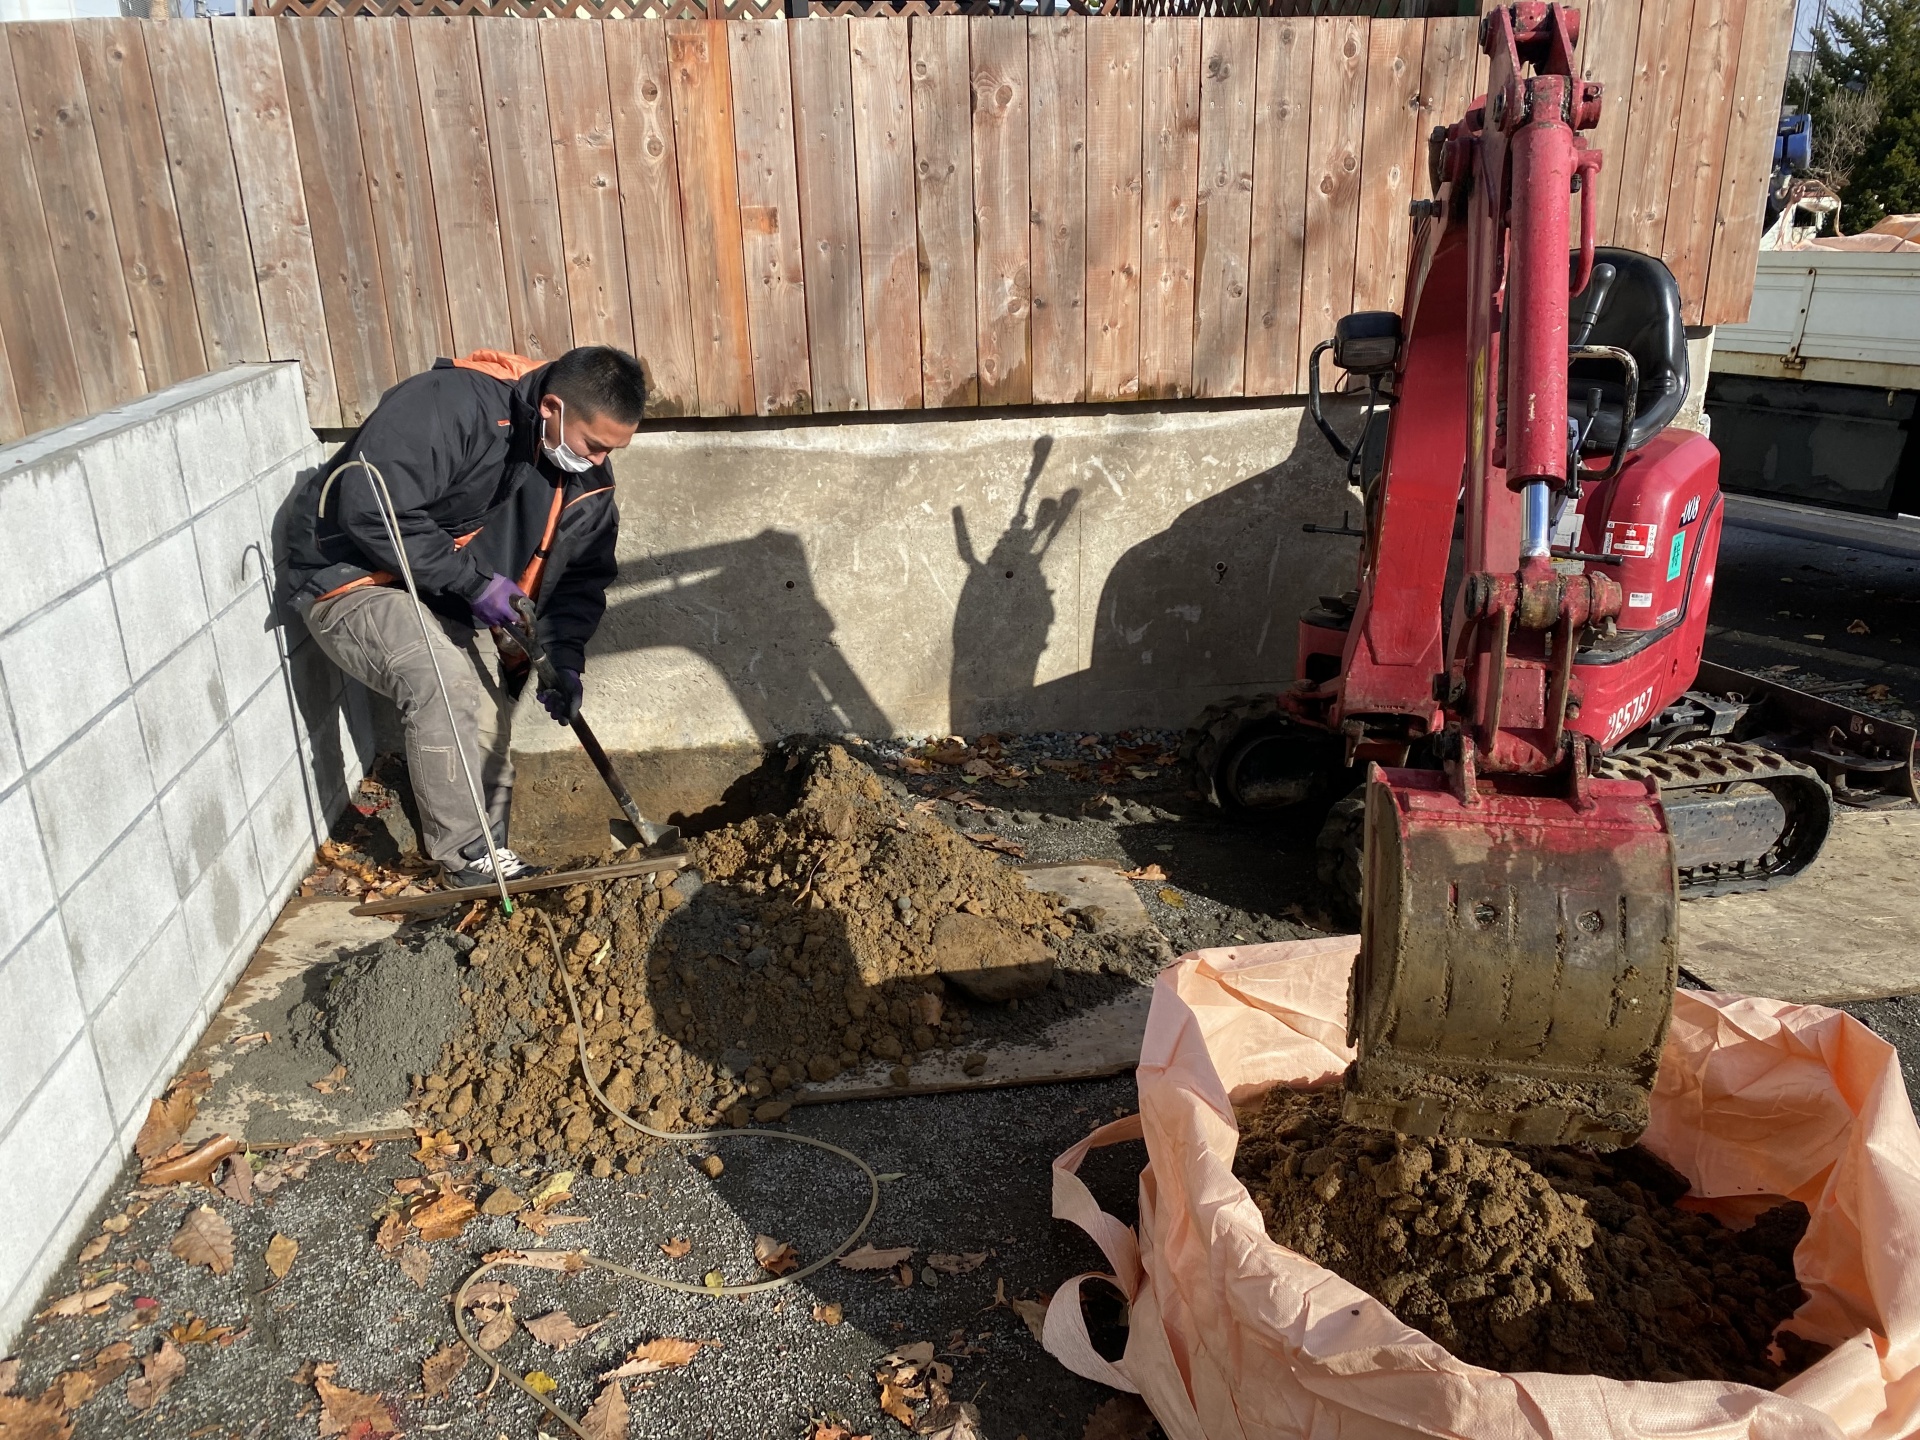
column 849, row 930
column 1529, row 1258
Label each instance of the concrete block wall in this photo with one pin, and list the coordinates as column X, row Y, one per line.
column 170, row 754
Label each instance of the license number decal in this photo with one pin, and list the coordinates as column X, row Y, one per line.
column 1625, row 537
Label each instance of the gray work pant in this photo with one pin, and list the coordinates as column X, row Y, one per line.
column 372, row 634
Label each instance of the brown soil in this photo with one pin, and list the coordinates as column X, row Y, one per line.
column 1528, row 1258
column 783, row 954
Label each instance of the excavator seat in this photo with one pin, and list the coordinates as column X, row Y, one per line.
column 1633, row 303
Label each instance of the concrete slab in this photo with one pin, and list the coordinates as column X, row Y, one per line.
column 1844, row 930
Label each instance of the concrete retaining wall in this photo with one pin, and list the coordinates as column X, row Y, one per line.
column 165, row 771
column 954, row 573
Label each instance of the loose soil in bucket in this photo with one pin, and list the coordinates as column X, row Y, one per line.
column 851, row 929
column 1529, row 1258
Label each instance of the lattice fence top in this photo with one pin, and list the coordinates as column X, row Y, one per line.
column 779, row 9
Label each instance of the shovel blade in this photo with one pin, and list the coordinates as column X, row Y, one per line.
column 1517, row 961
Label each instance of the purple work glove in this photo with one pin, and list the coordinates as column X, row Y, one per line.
column 563, row 701
column 494, row 605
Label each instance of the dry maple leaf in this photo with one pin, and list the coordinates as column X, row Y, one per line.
column 556, row 1328
column 957, row 1264
column 42, row 1419
column 776, row 1257
column 665, row 1353
column 606, row 1418
column 676, row 1248
column 349, row 1412
column 280, row 1252
column 416, row 1264
column 1034, row 1312
column 205, row 1238
column 1125, row 1417
column 157, row 1374
column 440, row 1369
column 868, row 1258
column 82, row 1302
column 894, row 1400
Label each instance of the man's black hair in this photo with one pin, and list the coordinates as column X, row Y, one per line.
column 598, row 380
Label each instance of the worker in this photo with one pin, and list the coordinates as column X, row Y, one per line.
column 498, row 471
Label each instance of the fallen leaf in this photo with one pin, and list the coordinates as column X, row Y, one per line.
column 492, row 1292
column 82, row 1302
column 1859, row 627
column 868, row 1258
column 329, row 1082
column 1170, row 896
column 903, row 1277
column 832, row 1430
column 606, row 1418
column 952, row 1420
column 157, row 1374
column 558, row 1187
column 280, row 1252
column 358, row 1153
column 958, row 1264
column 237, row 1186
column 1034, row 1312
column 392, row 1233
column 435, row 1146
column 168, row 1118
column 676, row 1248
column 416, row 1264
column 195, row 1331
column 571, row 1261
column 349, row 1412
column 205, row 1238
column 443, row 1217
column 665, row 1353
column 1145, row 872
column 1124, row 1417
column 556, row 1328
column 42, row 1419
column 829, row 1314
column 776, row 1257
column 714, row 1281
column 541, row 1383
column 197, row 1166
column 440, row 1369
column 117, row 1224
column 1878, row 692
column 893, row 1400
column 542, row 1224
column 916, row 1356
column 93, row 1249
column 497, row 1331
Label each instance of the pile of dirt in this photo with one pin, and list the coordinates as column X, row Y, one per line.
column 849, row 930
column 390, row 1010
column 1529, row 1258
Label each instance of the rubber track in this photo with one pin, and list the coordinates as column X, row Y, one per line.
column 1808, row 803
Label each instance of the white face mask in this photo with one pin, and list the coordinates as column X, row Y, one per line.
column 563, row 454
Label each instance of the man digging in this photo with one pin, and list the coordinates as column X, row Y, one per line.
column 498, row 472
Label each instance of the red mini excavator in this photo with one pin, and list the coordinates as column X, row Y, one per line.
column 1542, row 776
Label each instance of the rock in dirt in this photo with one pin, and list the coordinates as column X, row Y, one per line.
column 990, row 960
column 783, row 954
column 390, row 1010
column 1528, row 1258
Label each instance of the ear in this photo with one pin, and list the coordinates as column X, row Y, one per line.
column 549, row 406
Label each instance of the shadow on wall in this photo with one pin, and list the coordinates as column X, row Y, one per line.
column 749, row 609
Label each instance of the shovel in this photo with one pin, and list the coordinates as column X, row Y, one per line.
column 654, row 837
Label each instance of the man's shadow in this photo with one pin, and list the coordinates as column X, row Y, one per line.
column 1005, row 611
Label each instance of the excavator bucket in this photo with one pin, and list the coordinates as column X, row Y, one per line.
column 1517, row 961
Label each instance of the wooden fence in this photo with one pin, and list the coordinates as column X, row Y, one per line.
column 792, row 216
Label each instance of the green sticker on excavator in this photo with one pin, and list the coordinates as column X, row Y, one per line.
column 1674, row 555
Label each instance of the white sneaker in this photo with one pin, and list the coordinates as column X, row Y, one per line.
column 480, row 871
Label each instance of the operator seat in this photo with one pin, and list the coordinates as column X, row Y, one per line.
column 1632, row 303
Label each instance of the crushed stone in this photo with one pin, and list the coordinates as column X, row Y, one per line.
column 795, row 946
column 1529, row 1258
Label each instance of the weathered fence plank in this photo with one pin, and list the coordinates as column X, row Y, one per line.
column 44, row 371
column 1609, row 37
column 260, row 130
column 66, row 160
column 1229, row 75
column 1693, row 193
column 520, row 145
column 1334, row 137
column 455, row 119
column 346, row 247
column 1115, row 63
column 889, row 232
column 406, row 229
column 587, row 182
column 943, row 195
column 702, row 91
column 1282, row 104
column 770, row 216
column 1003, row 283
column 1170, row 184
column 1653, row 124
column 1392, row 151
column 1766, row 33
column 821, row 54
column 649, row 179
column 1057, row 238
column 133, row 164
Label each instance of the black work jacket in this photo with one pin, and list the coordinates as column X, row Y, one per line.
column 460, row 452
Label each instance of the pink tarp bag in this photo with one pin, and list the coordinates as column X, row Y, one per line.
column 1233, row 1336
